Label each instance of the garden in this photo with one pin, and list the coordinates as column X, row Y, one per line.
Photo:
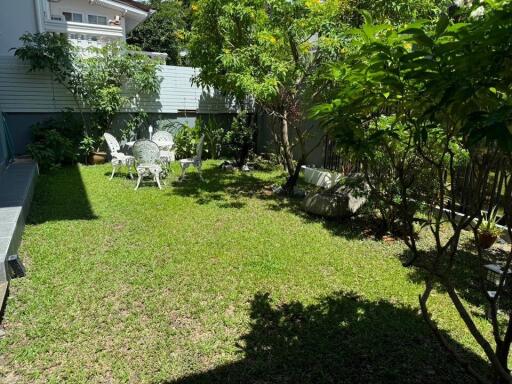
column 225, row 275
column 213, row 282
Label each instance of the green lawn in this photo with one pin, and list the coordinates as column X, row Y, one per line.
column 211, row 282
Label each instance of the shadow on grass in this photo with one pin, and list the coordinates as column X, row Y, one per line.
column 341, row 339
column 228, row 189
column 60, row 195
column 465, row 276
column 224, row 187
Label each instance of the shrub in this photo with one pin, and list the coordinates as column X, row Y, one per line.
column 55, row 142
column 186, row 140
column 239, row 139
column 214, row 137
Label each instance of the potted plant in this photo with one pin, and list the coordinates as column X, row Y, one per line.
column 93, row 155
column 489, row 230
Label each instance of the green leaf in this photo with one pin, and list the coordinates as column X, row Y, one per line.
column 419, row 36
column 442, row 24
column 367, row 17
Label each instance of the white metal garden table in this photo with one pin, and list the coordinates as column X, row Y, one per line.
column 161, row 144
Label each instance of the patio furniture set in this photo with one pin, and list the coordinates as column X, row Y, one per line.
column 151, row 158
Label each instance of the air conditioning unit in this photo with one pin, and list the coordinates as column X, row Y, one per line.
column 116, row 21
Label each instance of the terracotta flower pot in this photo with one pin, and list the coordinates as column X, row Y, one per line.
column 486, row 240
column 95, row 158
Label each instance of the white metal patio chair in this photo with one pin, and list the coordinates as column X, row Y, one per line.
column 119, row 159
column 147, row 159
column 165, row 142
column 194, row 161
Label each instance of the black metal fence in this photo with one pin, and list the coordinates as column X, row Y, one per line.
column 496, row 194
column 335, row 161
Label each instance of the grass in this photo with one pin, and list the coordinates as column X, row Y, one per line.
column 212, row 283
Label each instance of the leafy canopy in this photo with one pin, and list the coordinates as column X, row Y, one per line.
column 450, row 75
column 258, row 47
column 165, row 31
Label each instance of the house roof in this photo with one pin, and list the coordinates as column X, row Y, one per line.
column 135, row 4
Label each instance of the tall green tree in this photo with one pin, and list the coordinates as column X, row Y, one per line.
column 268, row 50
column 102, row 81
column 273, row 51
column 419, row 101
column 165, row 30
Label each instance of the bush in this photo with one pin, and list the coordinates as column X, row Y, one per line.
column 55, row 142
column 186, row 140
column 239, row 139
column 214, row 137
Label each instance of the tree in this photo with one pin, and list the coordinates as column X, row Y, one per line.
column 272, row 51
column 164, row 31
column 432, row 97
column 102, row 82
column 53, row 53
column 114, row 77
column 268, row 50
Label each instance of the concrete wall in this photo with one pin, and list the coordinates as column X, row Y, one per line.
column 266, row 142
column 3, row 144
column 20, row 127
column 21, row 124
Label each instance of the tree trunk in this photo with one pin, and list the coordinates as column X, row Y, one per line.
column 290, row 184
column 503, row 350
column 243, row 155
column 285, row 143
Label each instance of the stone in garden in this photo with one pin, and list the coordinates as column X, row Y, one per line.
column 341, row 202
column 297, row 192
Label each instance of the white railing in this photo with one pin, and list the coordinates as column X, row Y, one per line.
column 69, row 27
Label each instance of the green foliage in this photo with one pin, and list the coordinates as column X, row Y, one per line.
column 426, row 98
column 239, row 138
column 397, row 11
column 87, row 145
column 135, row 122
column 48, row 51
column 438, row 81
column 171, row 126
column 213, row 136
column 274, row 51
column 186, row 140
column 259, row 47
column 164, row 31
column 108, row 72
column 103, row 80
column 54, row 53
column 188, row 137
column 268, row 50
column 55, row 142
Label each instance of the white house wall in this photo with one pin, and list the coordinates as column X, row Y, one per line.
column 83, row 7
column 35, row 92
column 16, row 18
column 21, row 16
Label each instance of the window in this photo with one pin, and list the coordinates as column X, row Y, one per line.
column 93, row 19
column 71, row 16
